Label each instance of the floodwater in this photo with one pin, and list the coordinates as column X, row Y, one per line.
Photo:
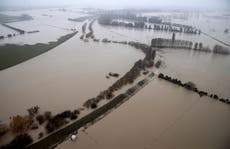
column 52, row 23
column 161, row 115
column 64, row 77
column 208, row 71
column 210, row 22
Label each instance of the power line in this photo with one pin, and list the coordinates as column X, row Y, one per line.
column 173, row 123
column 92, row 138
column 62, row 28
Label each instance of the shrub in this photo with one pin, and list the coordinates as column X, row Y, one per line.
column 56, row 122
column 50, row 127
column 65, row 114
column 29, row 121
column 47, row 115
column 94, row 105
column 73, row 116
column 40, row 119
column 40, row 135
column 34, row 126
column 220, row 50
column 161, row 75
column 19, row 142
column 33, row 110
column 158, row 64
column 3, row 129
column 190, row 85
column 20, row 124
column 76, row 112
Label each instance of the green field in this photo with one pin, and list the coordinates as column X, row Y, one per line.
column 13, row 54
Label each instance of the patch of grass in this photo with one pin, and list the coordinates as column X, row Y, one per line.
column 13, row 54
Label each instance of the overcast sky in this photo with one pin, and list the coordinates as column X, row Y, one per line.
column 121, row 3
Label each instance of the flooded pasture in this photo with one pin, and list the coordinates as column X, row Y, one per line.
column 161, row 115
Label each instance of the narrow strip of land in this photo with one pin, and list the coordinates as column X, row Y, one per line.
column 14, row 28
column 13, row 54
column 61, row 134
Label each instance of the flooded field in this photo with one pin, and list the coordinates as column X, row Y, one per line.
column 51, row 24
column 161, row 115
column 208, row 71
column 64, row 77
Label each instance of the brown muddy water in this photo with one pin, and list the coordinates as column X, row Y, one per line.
column 208, row 71
column 64, row 77
column 161, row 115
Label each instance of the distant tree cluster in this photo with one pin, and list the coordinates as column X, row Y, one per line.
column 154, row 23
column 172, row 28
column 221, row 50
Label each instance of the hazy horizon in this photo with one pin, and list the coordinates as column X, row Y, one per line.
column 190, row 4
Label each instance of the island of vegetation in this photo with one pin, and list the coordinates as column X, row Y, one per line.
column 130, row 20
column 185, row 44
